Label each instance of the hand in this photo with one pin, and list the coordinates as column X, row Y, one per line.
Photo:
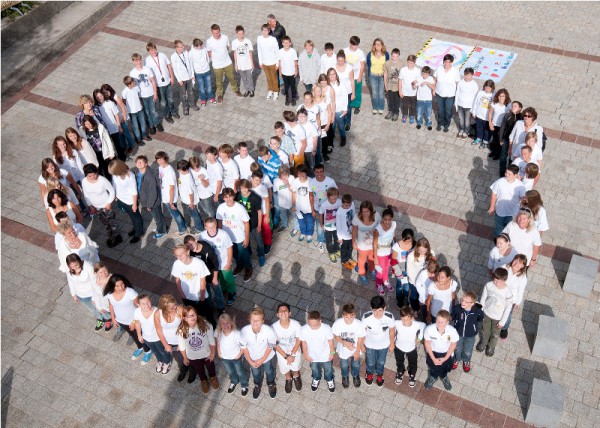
column 345, row 111
column 491, row 126
column 354, row 247
column 172, row 205
column 168, row 348
column 216, row 199
column 155, row 97
column 491, row 211
column 186, row 362
column 259, row 228
column 531, row 263
column 132, row 326
column 330, row 356
column 75, row 299
column 134, row 207
column 180, row 83
column 359, row 79
column 314, row 213
column 120, row 129
column 500, row 326
column 211, row 357
column 192, row 206
column 140, row 338
column 290, row 359
column 261, row 66
column 107, row 207
column 438, row 361
column 246, row 242
column 352, row 97
column 228, row 267
column 215, row 283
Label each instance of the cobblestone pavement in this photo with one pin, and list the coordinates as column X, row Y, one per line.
column 55, row 372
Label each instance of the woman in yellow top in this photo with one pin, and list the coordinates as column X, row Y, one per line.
column 375, row 64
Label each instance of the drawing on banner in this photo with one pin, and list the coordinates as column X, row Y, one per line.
column 432, row 53
column 490, row 63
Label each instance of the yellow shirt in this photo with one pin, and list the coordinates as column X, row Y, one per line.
column 377, row 64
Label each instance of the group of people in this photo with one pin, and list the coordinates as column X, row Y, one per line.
column 236, row 203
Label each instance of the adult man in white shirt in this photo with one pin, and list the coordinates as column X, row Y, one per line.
column 163, row 71
column 218, row 49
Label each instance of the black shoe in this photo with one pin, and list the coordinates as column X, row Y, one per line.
column 231, row 388
column 181, row 376
column 418, row 126
column 246, row 94
column 503, row 334
column 439, row 128
column 379, row 381
column 131, row 233
column 186, row 112
column 196, row 108
column 429, row 128
column 343, row 142
column 315, row 384
column 496, row 158
column 176, row 116
column 356, row 381
column 168, row 119
column 134, row 240
column 446, row 129
column 489, row 352
column 160, row 128
column 238, row 270
column 298, row 382
column 251, row 94
column 141, row 143
column 288, row 386
column 357, row 110
column 192, row 377
column 152, row 130
column 148, row 138
column 345, row 381
column 347, row 128
column 256, row 392
column 399, row 377
column 244, row 392
column 272, row 390
column 490, row 155
column 114, row 241
column 479, row 347
column 369, row 378
column 293, row 102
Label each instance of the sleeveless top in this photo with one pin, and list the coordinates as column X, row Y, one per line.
column 170, row 328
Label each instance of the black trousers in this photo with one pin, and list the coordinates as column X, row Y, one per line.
column 346, row 250
column 412, row 361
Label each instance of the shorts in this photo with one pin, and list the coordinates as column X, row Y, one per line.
column 283, row 365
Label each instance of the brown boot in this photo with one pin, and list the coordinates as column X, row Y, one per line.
column 204, row 386
column 214, row 382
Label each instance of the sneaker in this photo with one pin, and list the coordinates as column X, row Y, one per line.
column 353, row 262
column 404, row 119
column 369, row 379
column 159, row 235
column 356, row 381
column 194, row 231
column 248, row 274
column 315, row 384
column 238, row 270
column 395, row 118
column 269, row 95
column 483, row 145
column 267, row 250
column 446, row 129
column 374, row 111
column 298, row 382
column 363, row 279
column 238, row 94
column 251, row 94
column 411, row 120
column 256, row 392
column 399, row 377
column 214, row 383
column 429, row 128
column 321, row 247
column 182, row 233
column 347, row 128
column 459, row 135
column 192, row 376
column 309, row 239
column 373, row 275
column 476, row 141
column 146, row 358
column 489, row 352
column 332, row 258
column 455, row 364
column 389, row 115
column 338, row 254
column 135, row 240
column 213, row 101
column 429, row 383
column 280, row 229
column 447, row 384
column 287, row 102
column 99, row 325
column 108, row 325
column 357, row 110
column 345, row 382
column 466, row 367
column 288, row 386
column 379, row 287
column 438, row 128
column 294, row 233
column 272, row 391
column 347, row 265
column 412, row 381
column 389, row 287
column 231, row 388
column 219, row 99
column 300, row 238
column 136, row 354
column 231, row 299
column 331, row 386
column 275, row 96
column 202, row 103
column 166, row 368
column 380, row 111
column 159, row 366
column 204, row 386
column 118, row 334
column 244, row 392
column 148, row 138
column 176, row 116
column 153, row 130
column 479, row 347
column 261, row 261
column 418, row 126
column 503, row 334
column 379, row 381
column 169, row 119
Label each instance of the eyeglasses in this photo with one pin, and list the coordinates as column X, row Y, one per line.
column 527, row 115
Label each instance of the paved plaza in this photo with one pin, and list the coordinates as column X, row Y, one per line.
column 57, row 372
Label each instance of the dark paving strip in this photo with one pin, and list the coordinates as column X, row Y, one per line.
column 554, row 252
column 436, row 398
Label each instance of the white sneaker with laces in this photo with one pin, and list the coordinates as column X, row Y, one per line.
column 269, row 95
column 321, row 247
column 275, row 96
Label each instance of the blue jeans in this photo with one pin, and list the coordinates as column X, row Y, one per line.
column 340, row 122
column 181, row 226
column 134, row 216
column 207, row 205
column 165, row 96
column 260, row 245
column 500, row 223
column 375, row 360
column 195, row 216
column 159, row 218
column 215, row 292
column 241, row 255
column 87, row 302
column 509, row 319
column 445, row 111
column 319, row 154
column 348, row 117
column 483, row 129
column 424, row 109
column 354, row 364
column 236, row 372
column 307, row 224
column 150, row 110
column 284, row 216
column 125, row 136
column 268, row 369
column 159, row 352
column 464, row 349
column 204, row 84
column 377, row 92
column 326, row 368
column 320, row 232
column 138, row 123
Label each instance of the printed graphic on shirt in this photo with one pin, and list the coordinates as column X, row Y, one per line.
column 195, row 341
column 189, row 275
column 329, row 216
column 349, row 217
column 143, row 80
column 348, row 336
column 303, row 191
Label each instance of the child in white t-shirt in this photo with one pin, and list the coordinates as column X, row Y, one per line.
column 349, row 334
column 221, row 243
column 343, row 228
column 215, row 173
column 261, row 190
column 288, row 350
column 243, row 59
column 282, row 186
column 168, row 190
column 466, row 90
column 312, row 135
column 189, row 195
column 408, row 94
column 228, row 348
column 131, row 96
column 409, row 333
column 203, row 187
column 496, row 301
column 244, row 160
column 302, row 204
column 288, row 69
column 380, row 328
column 318, row 350
column 480, row 111
column 231, row 172
column 327, row 218
column 506, row 194
column 440, row 342
column 425, row 86
column 363, row 226
column 383, row 239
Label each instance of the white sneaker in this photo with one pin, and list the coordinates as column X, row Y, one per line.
column 269, row 95
column 275, row 96
column 321, row 247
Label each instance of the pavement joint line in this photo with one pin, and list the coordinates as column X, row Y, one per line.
column 553, row 252
column 148, row 282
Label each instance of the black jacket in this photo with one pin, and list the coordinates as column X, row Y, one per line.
column 466, row 324
column 209, row 256
column 278, row 32
column 149, row 193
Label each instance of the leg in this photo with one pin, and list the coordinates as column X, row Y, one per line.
column 494, row 333
column 244, row 256
column 358, row 95
column 136, row 126
column 195, row 217
column 207, row 205
column 420, row 111
column 428, row 112
column 269, row 371
column 461, row 113
column 399, row 356
column 134, row 216
column 440, row 111
column 260, row 245
column 355, row 366
column 257, row 374
column 486, row 331
column 346, row 250
column 328, row 371
column 315, row 369
column 320, row 232
column 219, row 73
column 87, row 302
column 348, row 117
column 159, row 218
column 371, row 357
column 412, row 106
column 241, row 373
column 344, row 369
column 227, row 281
column 176, row 215
column 467, row 348
column 380, row 363
column 230, row 74
column 412, row 357
column 503, row 158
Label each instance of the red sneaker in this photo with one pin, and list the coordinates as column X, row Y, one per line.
column 107, row 325
column 455, row 365
column 369, row 379
column 467, row 367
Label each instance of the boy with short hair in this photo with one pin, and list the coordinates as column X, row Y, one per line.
column 312, row 136
column 243, row 160
column 408, row 74
column 168, row 189
column 182, row 68
column 261, row 190
column 357, row 59
column 231, row 172
column 466, row 317
column 269, row 161
column 189, row 195
column 243, row 59
column 221, row 243
column 318, row 350
column 343, row 227
column 253, row 205
column 201, row 66
column 328, row 59
column 282, row 187
column 131, row 96
column 302, row 205
column 148, row 186
column 298, row 136
column 440, row 342
column 218, row 50
column 496, row 301
column 327, row 219
column 145, row 80
column 466, row 90
column 275, row 147
column 391, row 81
column 288, row 69
column 205, row 204
column 506, row 194
column 309, row 64
column 215, row 172
column 205, row 252
column 289, row 354
column 349, row 334
column 287, row 142
column 268, row 60
column 380, row 328
column 163, row 72
column 318, row 187
column 425, row 87
column 409, row 333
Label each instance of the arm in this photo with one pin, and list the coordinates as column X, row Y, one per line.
column 138, row 330
column 375, row 242
column 51, row 220
column 492, row 204
column 179, row 289
column 246, row 234
column 260, row 221
column 305, row 352
column 159, row 331
column 75, row 185
column 331, row 349
column 77, row 213
column 354, row 237
column 353, row 83
column 534, row 255
column 171, row 196
column 392, row 331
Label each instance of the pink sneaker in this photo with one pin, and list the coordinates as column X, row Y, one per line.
column 213, row 101
column 380, row 289
column 202, row 103
column 388, row 286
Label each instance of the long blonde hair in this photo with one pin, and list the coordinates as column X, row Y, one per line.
column 225, row 318
column 184, row 327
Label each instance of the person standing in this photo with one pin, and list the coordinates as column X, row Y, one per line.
column 356, row 58
column 182, row 67
column 218, row 51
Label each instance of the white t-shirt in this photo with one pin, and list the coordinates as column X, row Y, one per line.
column 187, row 187
column 440, row 342
column 167, row 178
column 221, row 243
column 268, row 50
column 98, row 194
column 203, row 192
column 123, row 308
column 344, row 76
column 244, row 165
column 508, row 196
column 190, row 276
column 424, row 92
column 197, row 344
column 522, row 240
column 284, row 194
column 287, row 61
column 481, row 104
column 406, row 337
column 313, row 113
column 142, row 78
column 378, row 330
column 522, row 164
column 446, row 81
column 297, row 134
column 311, row 136
column 422, row 284
column 125, row 188
column 257, row 343
column 364, row 237
column 160, row 67
column 441, row 299
column 262, row 191
column 109, row 110
column 385, row 239
column 243, row 50
column 233, row 219
column 498, row 113
column 496, row 260
column 407, row 76
column 302, row 190
column 354, row 58
column 231, row 173
column 465, row 93
column 229, row 345
column 286, row 337
column 343, row 222
column 542, row 220
column 219, row 51
column 149, row 333
column 349, row 333
column 327, row 62
column 496, row 302
column 319, row 190
column 199, row 59
column 329, row 213
column 132, row 99
column 215, row 173
column 341, row 97
column 517, row 285
column 317, row 342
